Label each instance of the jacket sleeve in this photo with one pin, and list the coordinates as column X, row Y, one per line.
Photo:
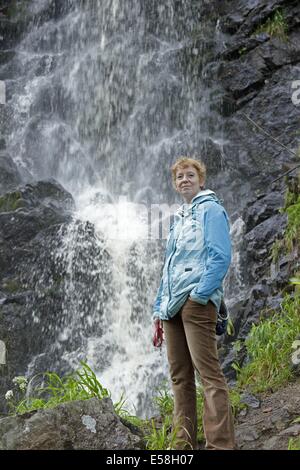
column 218, row 245
column 156, row 305
column 157, row 302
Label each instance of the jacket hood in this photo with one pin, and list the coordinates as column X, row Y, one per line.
column 202, row 196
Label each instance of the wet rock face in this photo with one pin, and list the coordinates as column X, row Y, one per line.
column 87, row 425
column 9, row 174
column 30, row 218
column 256, row 72
column 34, row 290
column 12, row 26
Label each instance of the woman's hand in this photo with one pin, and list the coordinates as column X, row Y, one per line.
column 158, row 336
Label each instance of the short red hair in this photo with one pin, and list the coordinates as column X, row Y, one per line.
column 184, row 162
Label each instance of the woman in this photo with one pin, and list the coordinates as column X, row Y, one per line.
column 198, row 255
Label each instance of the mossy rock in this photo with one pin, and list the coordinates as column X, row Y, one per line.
column 11, row 202
column 12, row 286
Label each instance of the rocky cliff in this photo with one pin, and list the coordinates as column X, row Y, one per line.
column 257, row 67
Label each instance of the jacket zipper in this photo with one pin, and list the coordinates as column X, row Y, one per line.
column 169, row 290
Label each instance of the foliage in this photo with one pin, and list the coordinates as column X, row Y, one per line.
column 230, row 330
column 11, row 201
column 276, row 249
column 291, row 237
column 200, row 406
column 269, row 346
column 235, row 400
column 294, row 444
column 242, row 51
column 81, row 385
column 292, row 233
column 163, row 437
column 164, row 401
column 275, row 26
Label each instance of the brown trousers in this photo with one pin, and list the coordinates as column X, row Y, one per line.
column 192, row 345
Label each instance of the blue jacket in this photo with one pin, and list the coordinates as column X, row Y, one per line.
column 198, row 255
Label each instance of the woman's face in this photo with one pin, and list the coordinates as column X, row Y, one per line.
column 188, row 183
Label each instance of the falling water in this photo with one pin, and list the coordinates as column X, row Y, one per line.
column 104, row 95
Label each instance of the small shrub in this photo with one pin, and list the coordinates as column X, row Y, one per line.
column 275, row 26
column 269, row 348
column 162, row 437
column 164, row 401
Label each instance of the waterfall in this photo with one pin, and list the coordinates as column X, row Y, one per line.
column 104, row 95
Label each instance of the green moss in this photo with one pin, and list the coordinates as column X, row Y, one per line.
column 11, row 202
column 275, row 26
column 242, row 51
column 16, row 8
column 12, row 286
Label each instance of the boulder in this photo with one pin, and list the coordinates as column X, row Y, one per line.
column 85, row 425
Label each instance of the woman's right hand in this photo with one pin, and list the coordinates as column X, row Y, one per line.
column 158, row 335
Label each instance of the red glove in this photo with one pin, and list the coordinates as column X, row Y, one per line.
column 158, row 334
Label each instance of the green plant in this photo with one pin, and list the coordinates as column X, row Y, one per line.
column 235, row 401
column 200, row 405
column 275, row 26
column 53, row 390
column 119, row 406
column 237, row 345
column 135, row 420
column 276, row 249
column 295, row 421
column 269, row 348
column 11, row 201
column 164, row 401
column 294, row 444
column 292, row 233
column 242, row 51
column 230, row 330
column 89, row 381
column 290, row 240
column 164, row 437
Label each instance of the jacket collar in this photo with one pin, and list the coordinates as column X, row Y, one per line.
column 203, row 192
column 201, row 196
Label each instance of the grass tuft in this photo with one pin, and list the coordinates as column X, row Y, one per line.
column 275, row 26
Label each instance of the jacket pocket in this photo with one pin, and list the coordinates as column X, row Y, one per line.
column 184, row 277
